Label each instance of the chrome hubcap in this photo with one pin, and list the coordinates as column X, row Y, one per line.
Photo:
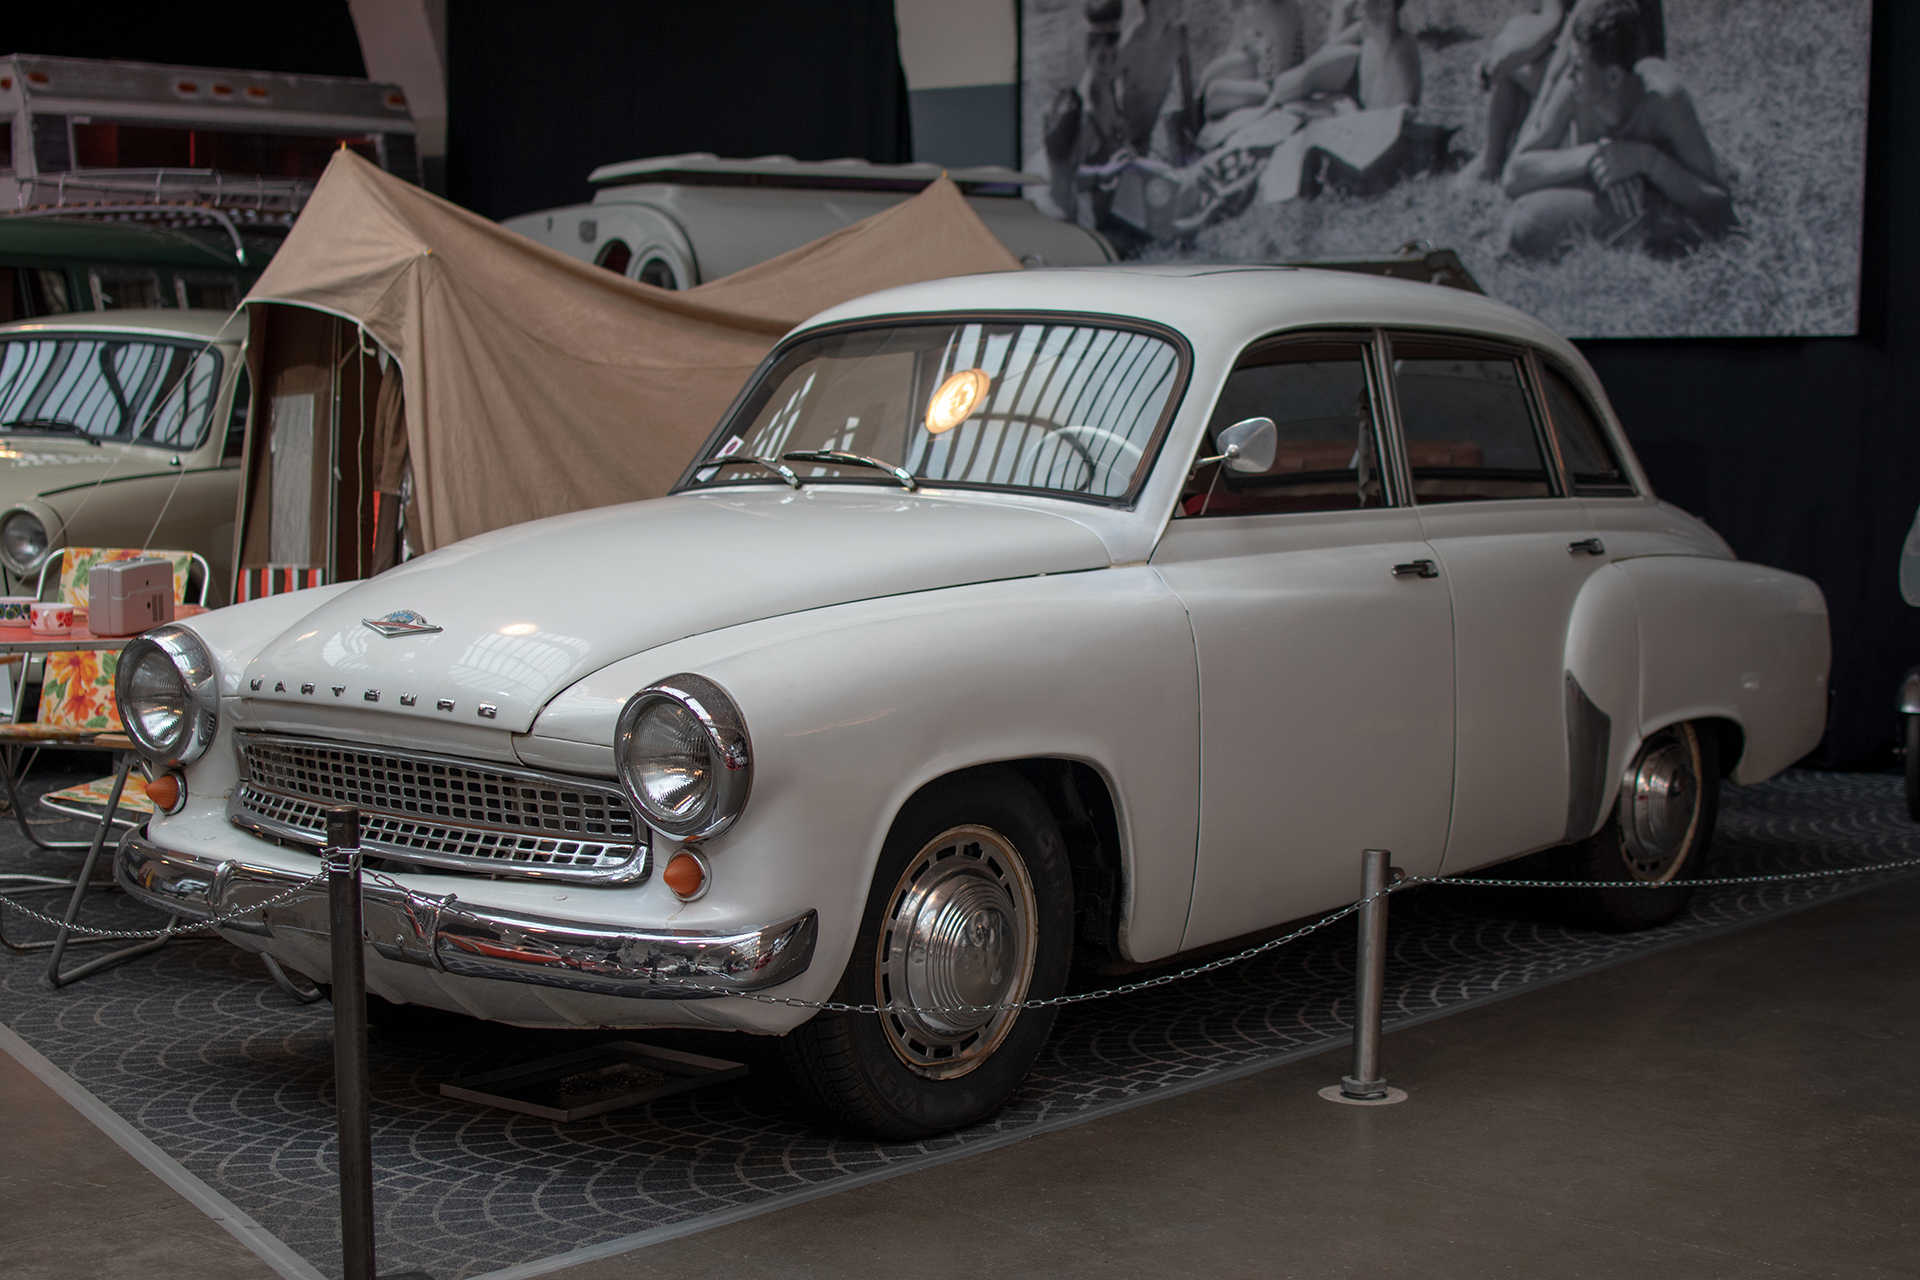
column 959, row 934
column 1659, row 806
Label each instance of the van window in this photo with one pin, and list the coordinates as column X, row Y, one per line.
column 26, row 292
column 113, row 144
column 125, row 288
column 213, row 290
column 144, row 391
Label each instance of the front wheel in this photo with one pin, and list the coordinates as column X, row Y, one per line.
column 971, row 909
column 1658, row 834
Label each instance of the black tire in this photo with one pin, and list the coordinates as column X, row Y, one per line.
column 856, row 1068
column 1910, row 742
column 1611, row 853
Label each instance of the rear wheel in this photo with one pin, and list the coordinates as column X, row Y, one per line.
column 1658, row 834
column 971, row 907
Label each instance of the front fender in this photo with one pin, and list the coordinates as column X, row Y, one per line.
column 852, row 709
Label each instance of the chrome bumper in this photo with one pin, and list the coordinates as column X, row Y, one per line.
column 472, row 941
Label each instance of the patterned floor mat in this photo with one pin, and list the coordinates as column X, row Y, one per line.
column 202, row 1054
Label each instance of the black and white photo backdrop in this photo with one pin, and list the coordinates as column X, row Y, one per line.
column 1620, row 168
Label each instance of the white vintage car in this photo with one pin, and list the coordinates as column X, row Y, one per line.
column 1004, row 621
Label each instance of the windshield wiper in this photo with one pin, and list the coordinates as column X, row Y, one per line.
column 771, row 464
column 60, row 425
column 901, row 474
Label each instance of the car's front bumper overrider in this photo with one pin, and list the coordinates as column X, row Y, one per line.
column 450, row 936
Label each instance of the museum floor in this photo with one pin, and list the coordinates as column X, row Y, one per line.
column 1734, row 1106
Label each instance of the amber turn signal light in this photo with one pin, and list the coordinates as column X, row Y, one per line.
column 686, row 875
column 166, row 792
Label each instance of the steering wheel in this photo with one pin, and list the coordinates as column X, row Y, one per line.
column 1071, row 434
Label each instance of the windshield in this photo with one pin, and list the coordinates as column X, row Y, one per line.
column 1063, row 407
column 108, row 387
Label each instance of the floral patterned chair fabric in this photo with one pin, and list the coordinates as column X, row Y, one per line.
column 76, row 692
column 76, row 689
column 77, row 563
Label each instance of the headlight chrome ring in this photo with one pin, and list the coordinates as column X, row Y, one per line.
column 683, row 755
column 168, row 696
column 24, row 543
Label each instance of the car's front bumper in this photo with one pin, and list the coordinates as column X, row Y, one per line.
column 455, row 937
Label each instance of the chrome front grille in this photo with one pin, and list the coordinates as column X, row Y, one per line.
column 461, row 814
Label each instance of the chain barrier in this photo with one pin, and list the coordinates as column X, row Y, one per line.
column 448, row 906
column 172, row 930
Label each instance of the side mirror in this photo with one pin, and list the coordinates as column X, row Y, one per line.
column 1247, row 446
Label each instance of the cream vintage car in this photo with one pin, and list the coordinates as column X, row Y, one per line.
column 120, row 428
column 1005, row 622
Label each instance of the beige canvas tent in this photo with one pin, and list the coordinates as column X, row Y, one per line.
column 397, row 332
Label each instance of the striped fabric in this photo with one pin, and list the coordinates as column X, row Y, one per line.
column 261, row 580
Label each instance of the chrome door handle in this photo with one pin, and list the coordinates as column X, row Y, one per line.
column 1416, row 569
column 1592, row 546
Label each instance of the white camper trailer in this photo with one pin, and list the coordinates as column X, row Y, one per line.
column 678, row 221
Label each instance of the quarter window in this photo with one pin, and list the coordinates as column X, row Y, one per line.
column 1591, row 464
column 1469, row 431
column 1317, row 394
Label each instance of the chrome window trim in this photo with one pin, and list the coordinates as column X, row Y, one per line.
column 1149, row 453
column 1521, row 354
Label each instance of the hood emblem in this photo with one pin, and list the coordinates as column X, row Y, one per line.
column 401, row 622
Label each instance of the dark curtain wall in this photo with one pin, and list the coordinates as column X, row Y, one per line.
column 1804, row 454
column 311, row 37
column 541, row 94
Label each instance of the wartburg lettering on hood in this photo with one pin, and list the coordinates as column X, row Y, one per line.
column 521, row 613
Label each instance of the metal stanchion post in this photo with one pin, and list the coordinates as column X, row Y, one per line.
column 1365, row 1085
column 352, row 1078
column 351, row 1084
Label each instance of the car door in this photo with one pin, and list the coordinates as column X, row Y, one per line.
column 1326, row 676
column 1515, row 552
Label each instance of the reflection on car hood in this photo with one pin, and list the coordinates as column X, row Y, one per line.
column 519, row 614
column 32, row 464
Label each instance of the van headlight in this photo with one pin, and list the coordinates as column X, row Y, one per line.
column 23, row 542
column 682, row 752
column 168, row 698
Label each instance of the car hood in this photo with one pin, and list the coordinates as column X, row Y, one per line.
column 35, row 464
column 521, row 613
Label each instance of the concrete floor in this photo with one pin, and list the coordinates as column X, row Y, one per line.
column 1743, row 1106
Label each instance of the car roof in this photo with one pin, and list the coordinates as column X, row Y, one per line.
column 164, row 322
column 69, row 238
column 1215, row 302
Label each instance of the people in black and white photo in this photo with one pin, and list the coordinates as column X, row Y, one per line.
column 1617, row 153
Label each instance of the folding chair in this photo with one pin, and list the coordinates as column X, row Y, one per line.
column 77, row 713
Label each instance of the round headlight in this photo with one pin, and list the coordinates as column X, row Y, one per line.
column 23, row 542
column 167, row 697
column 682, row 752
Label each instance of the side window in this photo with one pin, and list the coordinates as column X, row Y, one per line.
column 1316, row 392
column 1470, row 434
column 216, row 291
column 236, row 442
column 125, row 288
column 26, row 292
column 1591, row 464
